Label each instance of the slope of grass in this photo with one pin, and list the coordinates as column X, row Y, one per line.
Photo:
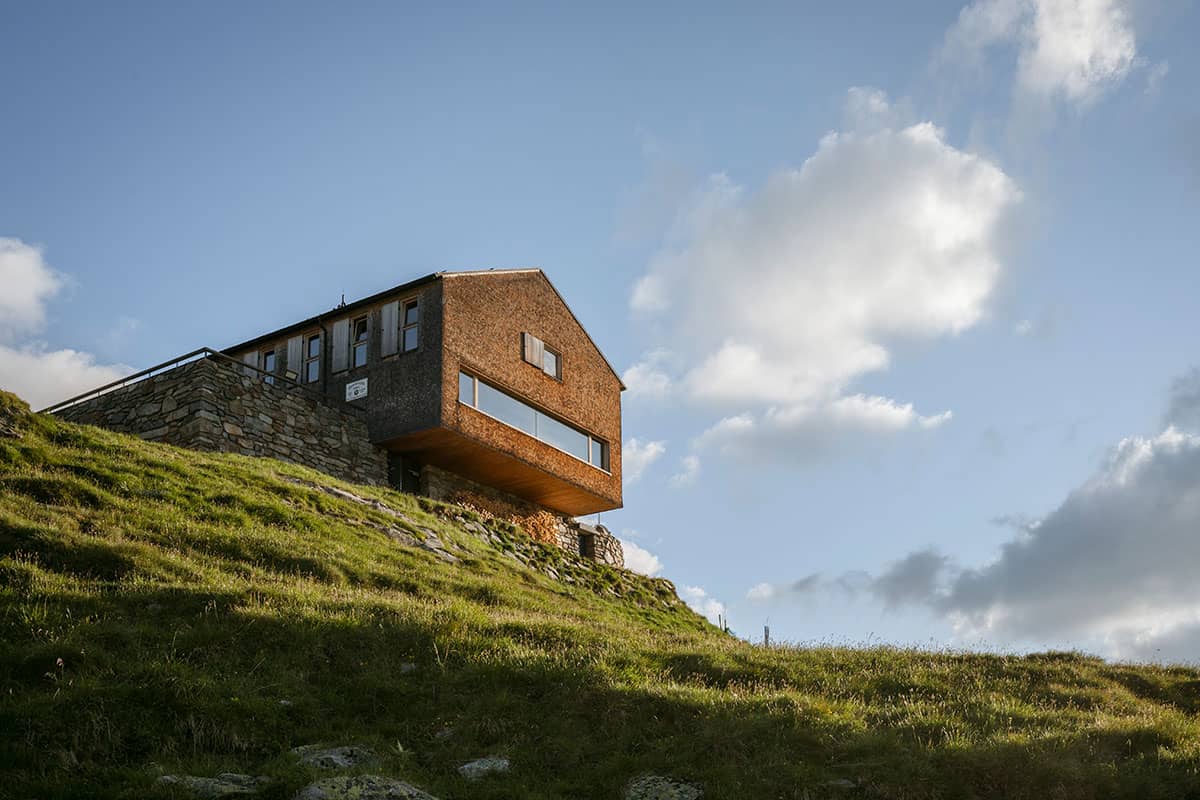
column 169, row 611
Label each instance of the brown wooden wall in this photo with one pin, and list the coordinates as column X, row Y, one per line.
column 483, row 317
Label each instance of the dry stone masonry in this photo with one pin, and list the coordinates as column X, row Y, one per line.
column 216, row 406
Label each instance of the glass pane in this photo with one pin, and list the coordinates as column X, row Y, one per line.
column 314, row 346
column 412, row 312
column 550, row 363
column 360, row 330
column 410, row 339
column 312, row 371
column 505, row 408
column 360, row 354
column 600, row 454
column 564, row 437
column 466, row 389
column 269, row 361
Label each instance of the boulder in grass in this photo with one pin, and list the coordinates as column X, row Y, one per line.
column 227, row 784
column 315, row 755
column 482, row 767
column 362, row 787
column 657, row 787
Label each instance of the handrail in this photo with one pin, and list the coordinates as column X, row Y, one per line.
column 205, row 352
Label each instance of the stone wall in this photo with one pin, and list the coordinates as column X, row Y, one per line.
column 214, row 405
column 591, row 541
column 598, row 543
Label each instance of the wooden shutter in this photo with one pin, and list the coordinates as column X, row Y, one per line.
column 389, row 321
column 531, row 349
column 252, row 360
column 295, row 355
column 341, row 345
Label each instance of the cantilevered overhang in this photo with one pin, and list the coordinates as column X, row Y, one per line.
column 479, row 462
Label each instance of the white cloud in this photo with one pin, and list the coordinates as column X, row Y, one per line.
column 28, row 283
column 703, row 603
column 774, row 301
column 1073, row 50
column 689, row 471
column 640, row 560
column 637, row 455
column 647, row 378
column 27, row 367
column 41, row 377
column 761, row 591
column 802, row 431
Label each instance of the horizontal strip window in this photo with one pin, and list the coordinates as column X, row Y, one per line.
column 516, row 413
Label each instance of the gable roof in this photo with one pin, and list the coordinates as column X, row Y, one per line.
column 347, row 308
column 486, row 272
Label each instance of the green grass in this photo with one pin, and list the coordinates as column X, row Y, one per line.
column 157, row 605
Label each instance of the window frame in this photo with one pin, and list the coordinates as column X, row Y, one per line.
column 306, row 358
column 263, row 356
column 360, row 345
column 406, row 326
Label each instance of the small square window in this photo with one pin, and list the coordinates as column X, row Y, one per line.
column 551, row 363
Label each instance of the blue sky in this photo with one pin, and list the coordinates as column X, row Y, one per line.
column 891, row 283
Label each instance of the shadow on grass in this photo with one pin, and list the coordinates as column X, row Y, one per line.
column 209, row 682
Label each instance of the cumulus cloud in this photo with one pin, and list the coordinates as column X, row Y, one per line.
column 27, row 367
column 689, row 471
column 798, row 431
column 1118, row 554
column 775, row 300
column 648, row 377
column 1114, row 563
column 1069, row 50
column 640, row 560
column 703, row 603
column 637, row 455
column 28, row 283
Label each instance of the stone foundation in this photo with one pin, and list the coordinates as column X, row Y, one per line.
column 213, row 405
column 590, row 541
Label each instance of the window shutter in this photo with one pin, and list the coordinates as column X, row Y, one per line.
column 295, row 352
column 532, row 348
column 252, row 360
column 341, row 345
column 389, row 321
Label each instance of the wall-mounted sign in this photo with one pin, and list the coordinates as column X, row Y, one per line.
column 356, row 389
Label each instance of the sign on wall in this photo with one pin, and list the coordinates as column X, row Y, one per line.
column 356, row 390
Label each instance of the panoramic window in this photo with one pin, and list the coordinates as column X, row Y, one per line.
column 511, row 411
column 312, row 359
column 358, row 342
column 268, row 365
column 410, row 331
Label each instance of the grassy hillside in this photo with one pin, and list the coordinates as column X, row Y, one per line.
column 169, row 611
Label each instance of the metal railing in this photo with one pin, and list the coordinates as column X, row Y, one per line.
column 204, row 352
